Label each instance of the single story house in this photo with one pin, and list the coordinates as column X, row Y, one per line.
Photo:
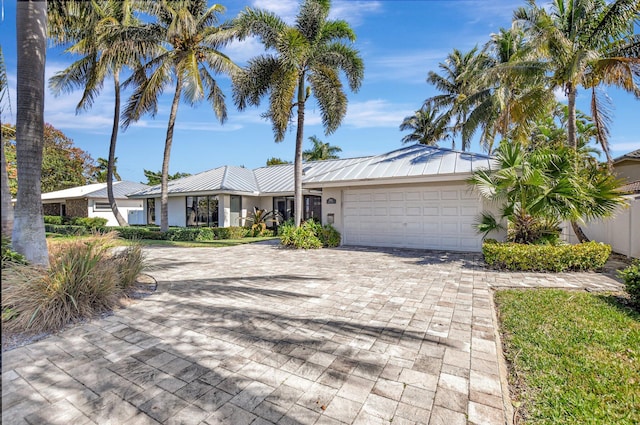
column 413, row 197
column 92, row 201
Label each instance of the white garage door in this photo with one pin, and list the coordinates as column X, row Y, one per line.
column 438, row 217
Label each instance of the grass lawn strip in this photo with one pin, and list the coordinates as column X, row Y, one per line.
column 574, row 357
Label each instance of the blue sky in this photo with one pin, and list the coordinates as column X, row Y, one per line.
column 400, row 42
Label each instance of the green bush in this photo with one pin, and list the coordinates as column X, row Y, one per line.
column 190, row 234
column 302, row 237
column 138, row 233
column 90, row 223
column 553, row 258
column 9, row 256
column 53, row 219
column 82, row 280
column 631, row 278
column 66, row 229
column 329, row 236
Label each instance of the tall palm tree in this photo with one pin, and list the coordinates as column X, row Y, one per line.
column 31, row 34
column 586, row 43
column 109, row 38
column 303, row 59
column 509, row 94
column 459, row 73
column 101, row 174
column 189, row 56
column 320, row 151
column 426, row 126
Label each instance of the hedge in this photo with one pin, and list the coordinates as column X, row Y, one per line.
column 66, row 229
column 182, row 233
column 631, row 277
column 551, row 258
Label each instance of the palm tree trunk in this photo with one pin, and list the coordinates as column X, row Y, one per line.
column 164, row 197
column 298, row 200
column 579, row 233
column 28, row 227
column 7, row 209
column 112, row 151
column 572, row 140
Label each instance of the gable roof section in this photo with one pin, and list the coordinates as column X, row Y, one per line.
column 633, row 156
column 95, row 190
column 222, row 179
column 412, row 161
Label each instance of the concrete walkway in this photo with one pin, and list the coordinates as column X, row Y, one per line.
column 257, row 334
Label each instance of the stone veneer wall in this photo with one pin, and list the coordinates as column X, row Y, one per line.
column 77, row 208
column 51, row 209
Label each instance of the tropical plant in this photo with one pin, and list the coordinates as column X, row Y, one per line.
column 155, row 177
column 537, row 189
column 459, row 74
column 28, row 237
column 108, row 37
column 102, row 170
column 276, row 161
column 261, row 218
column 303, row 59
column 586, row 43
column 189, row 44
column 426, row 126
column 320, row 151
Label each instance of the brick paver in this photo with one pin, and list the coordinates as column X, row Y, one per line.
column 258, row 334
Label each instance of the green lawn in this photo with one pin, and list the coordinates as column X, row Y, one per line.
column 574, row 357
column 54, row 238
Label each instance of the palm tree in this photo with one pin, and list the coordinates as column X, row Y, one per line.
column 426, row 126
column 541, row 187
column 189, row 56
column 303, row 59
column 28, row 226
column 101, row 175
column 586, row 43
column 320, row 151
column 459, row 74
column 509, row 94
column 109, row 37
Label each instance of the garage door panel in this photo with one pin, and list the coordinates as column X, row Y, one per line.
column 426, row 218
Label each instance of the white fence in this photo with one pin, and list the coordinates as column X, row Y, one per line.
column 622, row 231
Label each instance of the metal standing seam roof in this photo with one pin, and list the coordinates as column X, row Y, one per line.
column 226, row 178
column 633, row 155
column 95, row 190
column 411, row 161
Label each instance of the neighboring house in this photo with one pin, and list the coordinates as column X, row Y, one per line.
column 627, row 166
column 622, row 230
column 414, row 197
column 92, row 201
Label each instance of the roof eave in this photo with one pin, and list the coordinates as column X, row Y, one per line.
column 391, row 180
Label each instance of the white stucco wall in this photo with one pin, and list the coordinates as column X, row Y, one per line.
column 177, row 209
column 124, row 206
column 335, row 209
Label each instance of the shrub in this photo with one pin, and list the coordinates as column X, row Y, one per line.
column 66, row 229
column 631, row 278
column 53, row 219
column 129, row 263
column 90, row 223
column 554, row 258
column 138, row 232
column 82, row 281
column 329, row 236
column 302, row 237
column 9, row 255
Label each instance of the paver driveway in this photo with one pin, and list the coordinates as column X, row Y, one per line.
column 258, row 334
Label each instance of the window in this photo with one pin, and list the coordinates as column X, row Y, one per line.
column 151, row 211
column 102, row 206
column 202, row 211
column 312, row 207
column 235, row 210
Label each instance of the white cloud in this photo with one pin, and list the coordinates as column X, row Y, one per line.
column 410, row 67
column 625, row 146
column 349, row 10
column 241, row 51
column 376, row 113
